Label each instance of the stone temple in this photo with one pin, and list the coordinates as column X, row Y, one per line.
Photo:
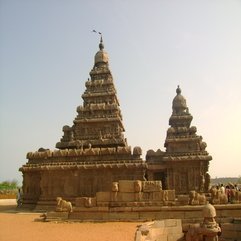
column 184, row 165
column 93, row 152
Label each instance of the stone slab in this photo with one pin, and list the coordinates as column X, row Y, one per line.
column 172, row 223
column 84, row 216
column 151, row 186
column 57, row 216
column 126, row 186
column 160, row 230
column 103, row 197
column 126, row 197
column 122, row 216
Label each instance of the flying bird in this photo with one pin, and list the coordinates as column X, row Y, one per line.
column 94, row 31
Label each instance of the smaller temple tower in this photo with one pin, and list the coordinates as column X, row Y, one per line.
column 184, row 165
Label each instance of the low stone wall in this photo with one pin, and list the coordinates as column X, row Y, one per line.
column 232, row 231
column 188, row 214
column 228, row 217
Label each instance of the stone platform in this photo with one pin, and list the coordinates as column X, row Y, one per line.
column 188, row 214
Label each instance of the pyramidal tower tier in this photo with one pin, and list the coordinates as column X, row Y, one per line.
column 99, row 119
column 182, row 140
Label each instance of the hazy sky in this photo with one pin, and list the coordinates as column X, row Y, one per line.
column 47, row 50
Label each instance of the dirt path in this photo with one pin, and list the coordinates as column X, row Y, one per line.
column 17, row 226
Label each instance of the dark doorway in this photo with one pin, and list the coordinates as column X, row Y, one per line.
column 161, row 176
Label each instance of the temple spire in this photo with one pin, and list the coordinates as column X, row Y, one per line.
column 101, row 45
column 178, row 90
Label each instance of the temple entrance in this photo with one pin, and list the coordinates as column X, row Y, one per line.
column 161, row 176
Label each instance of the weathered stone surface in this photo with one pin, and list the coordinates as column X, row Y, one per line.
column 160, row 230
column 57, row 216
column 152, row 186
column 85, row 202
column 126, row 186
column 103, row 197
column 63, row 205
column 208, row 230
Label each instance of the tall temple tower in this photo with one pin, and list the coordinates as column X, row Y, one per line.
column 92, row 153
column 99, row 120
column 184, row 165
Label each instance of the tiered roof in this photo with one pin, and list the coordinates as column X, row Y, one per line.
column 182, row 142
column 99, row 119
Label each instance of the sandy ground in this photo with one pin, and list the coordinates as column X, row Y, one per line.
column 20, row 226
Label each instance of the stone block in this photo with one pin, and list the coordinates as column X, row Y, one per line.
column 175, row 237
column 171, row 195
column 85, row 202
column 230, row 213
column 158, row 224
column 126, row 186
column 125, row 197
column 237, row 220
column 227, row 226
column 79, row 201
column 157, row 196
column 138, row 236
column 174, row 230
column 86, row 216
column 122, row 216
column 103, row 197
column 147, row 215
column 167, row 230
column 230, row 234
column 170, row 215
column 183, row 199
column 151, row 186
column 162, row 237
column 173, row 223
column 90, row 202
column 193, row 214
column 51, row 216
column 121, row 209
column 146, row 196
column 103, row 204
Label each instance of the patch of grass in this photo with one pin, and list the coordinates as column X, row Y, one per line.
column 8, row 185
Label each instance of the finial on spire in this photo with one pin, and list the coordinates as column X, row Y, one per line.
column 101, row 45
column 178, row 90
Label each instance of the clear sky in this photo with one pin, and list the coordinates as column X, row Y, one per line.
column 47, row 50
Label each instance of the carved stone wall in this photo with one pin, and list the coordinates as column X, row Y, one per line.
column 46, row 182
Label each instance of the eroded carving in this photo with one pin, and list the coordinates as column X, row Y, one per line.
column 63, row 206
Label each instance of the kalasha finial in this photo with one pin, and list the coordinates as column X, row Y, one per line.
column 178, row 90
column 101, row 45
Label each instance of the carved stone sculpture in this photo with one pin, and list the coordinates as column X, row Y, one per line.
column 217, row 197
column 196, row 199
column 115, row 187
column 208, row 230
column 137, row 151
column 63, row 206
column 137, row 186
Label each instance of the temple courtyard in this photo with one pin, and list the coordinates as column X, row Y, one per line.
column 25, row 226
